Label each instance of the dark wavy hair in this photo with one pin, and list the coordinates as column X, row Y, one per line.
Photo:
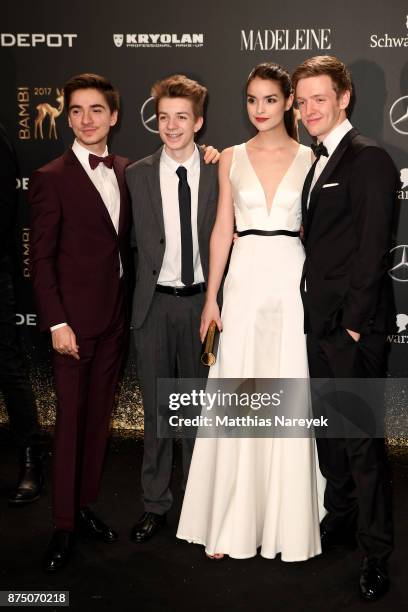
column 273, row 72
column 88, row 80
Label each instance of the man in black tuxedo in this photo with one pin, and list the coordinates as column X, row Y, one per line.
column 347, row 206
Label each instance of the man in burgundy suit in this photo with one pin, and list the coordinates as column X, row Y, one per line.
column 80, row 218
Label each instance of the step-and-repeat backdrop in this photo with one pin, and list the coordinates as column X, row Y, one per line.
column 42, row 44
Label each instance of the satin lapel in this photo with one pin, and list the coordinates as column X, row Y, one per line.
column 153, row 179
column 304, row 200
column 305, row 194
column 327, row 171
column 89, row 193
column 204, row 187
column 119, row 170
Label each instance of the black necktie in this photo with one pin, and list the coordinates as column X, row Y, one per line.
column 187, row 269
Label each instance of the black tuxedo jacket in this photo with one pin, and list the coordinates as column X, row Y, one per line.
column 347, row 235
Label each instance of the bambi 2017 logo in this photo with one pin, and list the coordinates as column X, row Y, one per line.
column 38, row 111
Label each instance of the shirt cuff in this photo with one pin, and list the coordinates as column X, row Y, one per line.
column 54, row 327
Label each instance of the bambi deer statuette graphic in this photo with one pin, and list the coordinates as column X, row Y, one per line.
column 45, row 109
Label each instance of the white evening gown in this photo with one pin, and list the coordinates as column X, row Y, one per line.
column 246, row 493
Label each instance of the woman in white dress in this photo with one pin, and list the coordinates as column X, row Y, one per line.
column 246, row 493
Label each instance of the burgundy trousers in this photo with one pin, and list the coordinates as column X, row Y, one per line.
column 86, row 393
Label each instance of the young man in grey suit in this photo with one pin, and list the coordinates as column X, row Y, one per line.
column 174, row 199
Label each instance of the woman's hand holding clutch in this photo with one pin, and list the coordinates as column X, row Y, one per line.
column 211, row 312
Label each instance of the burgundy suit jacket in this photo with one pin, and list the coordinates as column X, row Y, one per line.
column 75, row 247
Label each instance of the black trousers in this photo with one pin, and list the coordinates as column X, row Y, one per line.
column 358, row 494
column 167, row 344
column 14, row 383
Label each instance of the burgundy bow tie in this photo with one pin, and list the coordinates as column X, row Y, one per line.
column 94, row 160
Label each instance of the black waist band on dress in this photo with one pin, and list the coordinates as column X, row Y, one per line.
column 257, row 232
column 182, row 291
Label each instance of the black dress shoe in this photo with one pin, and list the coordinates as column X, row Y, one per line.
column 89, row 524
column 59, row 551
column 331, row 538
column 147, row 526
column 374, row 581
column 31, row 480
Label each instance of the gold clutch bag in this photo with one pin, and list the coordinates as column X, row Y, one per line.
column 208, row 357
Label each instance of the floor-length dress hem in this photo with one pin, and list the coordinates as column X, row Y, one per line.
column 268, row 556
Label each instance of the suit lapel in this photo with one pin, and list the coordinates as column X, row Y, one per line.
column 305, row 195
column 153, row 179
column 89, row 193
column 204, row 188
column 120, row 177
column 327, row 171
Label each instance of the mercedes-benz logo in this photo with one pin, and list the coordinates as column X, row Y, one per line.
column 399, row 268
column 399, row 115
column 148, row 116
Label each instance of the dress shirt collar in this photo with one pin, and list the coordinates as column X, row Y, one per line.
column 333, row 139
column 82, row 153
column 192, row 164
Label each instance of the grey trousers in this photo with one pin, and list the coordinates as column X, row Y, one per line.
column 167, row 345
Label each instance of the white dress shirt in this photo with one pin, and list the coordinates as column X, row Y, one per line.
column 331, row 143
column 106, row 183
column 170, row 273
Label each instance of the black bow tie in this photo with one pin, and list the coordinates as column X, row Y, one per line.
column 319, row 150
column 95, row 160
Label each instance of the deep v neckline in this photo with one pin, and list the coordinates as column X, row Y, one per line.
column 268, row 209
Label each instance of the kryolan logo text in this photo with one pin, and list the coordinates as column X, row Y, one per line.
column 159, row 40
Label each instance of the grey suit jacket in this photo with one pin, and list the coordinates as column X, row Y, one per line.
column 143, row 180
